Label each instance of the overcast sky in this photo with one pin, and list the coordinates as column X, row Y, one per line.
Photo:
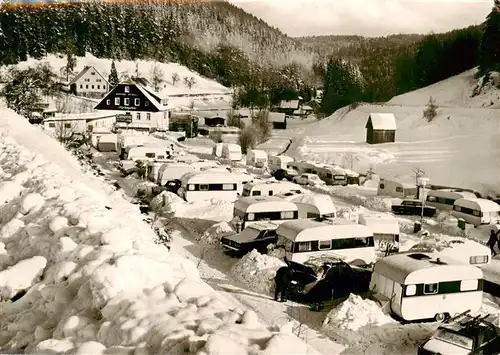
column 366, row 17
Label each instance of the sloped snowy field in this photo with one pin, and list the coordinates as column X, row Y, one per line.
column 94, row 279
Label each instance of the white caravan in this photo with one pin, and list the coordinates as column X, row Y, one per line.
column 460, row 251
column 331, row 174
column 443, row 199
column 231, row 151
column 148, row 153
column 125, row 141
column 417, row 286
column 172, row 171
column 385, row 230
column 477, row 211
column 154, row 167
column 268, row 188
column 257, row 158
column 312, row 206
column 107, row 143
column 217, row 150
column 205, row 185
column 396, row 189
column 306, row 239
column 276, row 162
column 254, row 209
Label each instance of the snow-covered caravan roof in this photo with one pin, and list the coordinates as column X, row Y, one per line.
column 276, row 117
column 257, row 153
column 267, row 203
column 146, row 149
column 448, row 193
column 232, row 147
column 480, row 204
column 281, row 158
column 289, row 196
column 305, row 230
column 323, row 203
column 383, row 121
column 380, row 224
column 414, row 268
column 207, row 177
column 108, row 138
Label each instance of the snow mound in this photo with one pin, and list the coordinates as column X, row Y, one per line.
column 257, row 271
column 166, row 201
column 365, row 329
column 215, row 233
column 83, row 275
column 213, row 210
column 352, row 195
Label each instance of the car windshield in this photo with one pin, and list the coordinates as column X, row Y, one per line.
column 454, row 338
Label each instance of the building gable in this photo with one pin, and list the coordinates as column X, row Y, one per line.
column 381, row 121
column 129, row 97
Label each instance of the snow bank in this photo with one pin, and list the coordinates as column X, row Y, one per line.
column 257, row 271
column 167, row 202
column 91, row 280
column 213, row 210
column 352, row 195
column 361, row 325
column 215, row 233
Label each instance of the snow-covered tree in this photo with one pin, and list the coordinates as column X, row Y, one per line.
column 113, row 76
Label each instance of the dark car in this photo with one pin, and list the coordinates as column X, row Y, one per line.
column 413, row 208
column 173, row 186
column 255, row 236
column 474, row 335
column 287, row 174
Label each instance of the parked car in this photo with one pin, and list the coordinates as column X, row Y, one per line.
column 413, row 208
column 476, row 335
column 308, row 179
column 255, row 236
column 173, row 186
column 287, row 174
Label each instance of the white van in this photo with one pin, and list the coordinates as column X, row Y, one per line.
column 306, row 239
column 312, row 206
column 205, row 185
column 254, row 209
column 172, row 171
column 107, row 143
column 443, row 199
column 396, row 189
column 231, row 151
column 268, row 188
column 385, row 230
column 417, row 286
column 257, row 158
column 477, row 211
column 276, row 162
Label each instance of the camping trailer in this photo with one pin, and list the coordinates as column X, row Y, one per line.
column 302, row 167
column 396, row 189
column 477, row 211
column 385, row 230
column 460, row 251
column 148, row 153
column 231, row 151
column 205, row 185
column 331, row 174
column 107, row 143
column 268, row 188
column 172, row 171
column 313, row 206
column 306, row 239
column 125, row 141
column 443, row 199
column 276, row 162
column 154, row 167
column 96, row 134
column 419, row 286
column 257, row 158
column 254, row 209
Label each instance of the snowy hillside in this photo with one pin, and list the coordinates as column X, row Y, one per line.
column 458, row 148
column 81, row 271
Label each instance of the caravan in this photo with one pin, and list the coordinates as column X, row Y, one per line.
column 331, row 174
column 385, row 231
column 302, row 167
column 417, row 286
column 396, row 189
column 231, row 151
column 305, row 239
column 254, row 209
column 314, row 206
column 205, row 185
column 107, row 143
column 444, row 199
column 172, row 171
column 268, row 188
column 277, row 162
column 257, row 158
column 125, row 141
column 477, row 211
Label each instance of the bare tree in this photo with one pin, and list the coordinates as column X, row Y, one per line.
column 263, row 127
column 189, row 82
column 157, row 77
column 430, row 111
column 175, row 78
column 350, row 158
column 247, row 138
column 67, row 133
column 233, row 120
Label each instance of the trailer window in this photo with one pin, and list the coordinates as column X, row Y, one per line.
column 303, row 247
column 312, row 215
column 270, row 192
column 411, row 290
column 255, row 193
column 430, row 289
column 468, row 285
column 476, row 213
column 191, row 187
column 478, row 259
column 399, row 189
column 382, row 186
column 150, row 155
column 287, row 215
column 228, row 187
column 251, row 217
column 325, row 244
column 431, row 199
column 203, row 187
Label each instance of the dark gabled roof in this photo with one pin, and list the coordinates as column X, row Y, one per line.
column 82, row 73
column 154, row 101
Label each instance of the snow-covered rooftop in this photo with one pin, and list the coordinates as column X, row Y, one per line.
column 383, row 121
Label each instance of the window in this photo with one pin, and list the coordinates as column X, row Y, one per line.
column 150, row 155
column 286, row 215
column 92, row 86
column 127, row 89
column 108, row 102
column 52, row 125
column 138, row 116
column 251, row 217
column 98, row 86
column 137, row 102
column 382, row 186
column 478, row 259
column 270, row 192
column 67, row 125
column 431, row 199
column 325, row 244
column 399, row 189
column 86, row 86
column 146, row 103
column 312, row 215
column 126, row 101
column 468, row 285
column 92, row 73
column 329, row 176
column 411, row 290
column 117, row 100
column 81, row 86
column 303, row 246
column 430, row 289
column 148, row 116
column 228, row 187
column 476, row 213
column 160, row 157
column 191, row 187
column 486, row 337
column 457, row 208
column 203, row 187
column 98, row 80
column 256, row 193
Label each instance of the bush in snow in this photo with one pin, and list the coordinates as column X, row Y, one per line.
column 215, row 233
column 247, row 138
column 430, row 111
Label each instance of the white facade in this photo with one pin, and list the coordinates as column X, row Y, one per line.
column 146, row 120
column 80, row 123
column 89, row 82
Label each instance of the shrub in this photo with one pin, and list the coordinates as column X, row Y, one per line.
column 430, row 111
column 248, row 138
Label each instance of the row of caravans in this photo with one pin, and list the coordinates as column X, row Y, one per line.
column 330, row 174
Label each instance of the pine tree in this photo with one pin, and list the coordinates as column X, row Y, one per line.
column 113, row 76
column 490, row 43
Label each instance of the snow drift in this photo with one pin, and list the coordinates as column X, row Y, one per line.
column 84, row 276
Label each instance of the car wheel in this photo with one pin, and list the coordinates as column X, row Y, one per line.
column 440, row 317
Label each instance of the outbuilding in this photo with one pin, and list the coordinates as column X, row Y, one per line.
column 277, row 119
column 381, row 128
